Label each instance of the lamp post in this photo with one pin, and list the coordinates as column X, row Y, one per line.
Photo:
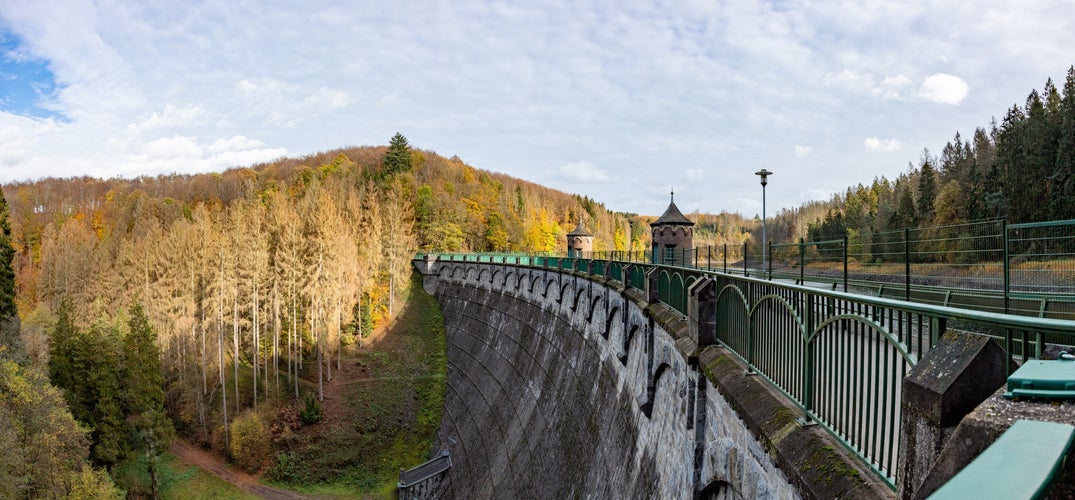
column 630, row 240
column 764, row 242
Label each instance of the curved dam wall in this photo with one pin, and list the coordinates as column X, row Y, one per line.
column 560, row 386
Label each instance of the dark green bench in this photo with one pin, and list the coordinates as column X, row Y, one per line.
column 1020, row 464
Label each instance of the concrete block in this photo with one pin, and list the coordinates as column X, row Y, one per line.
column 960, row 372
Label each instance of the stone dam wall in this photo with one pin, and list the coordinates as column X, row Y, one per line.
column 559, row 386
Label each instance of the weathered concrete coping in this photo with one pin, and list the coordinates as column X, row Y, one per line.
column 981, row 427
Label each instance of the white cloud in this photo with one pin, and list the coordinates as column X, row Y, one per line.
column 944, row 89
column 894, row 87
column 329, row 98
column 850, row 80
column 171, row 116
column 802, row 151
column 234, row 143
column 258, row 85
column 695, row 174
column 173, row 147
column 583, row 171
column 883, row 145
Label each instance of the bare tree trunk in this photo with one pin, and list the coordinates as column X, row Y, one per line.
column 339, row 333
column 328, row 362
column 205, row 362
column 220, row 351
column 235, row 343
column 254, row 347
column 317, row 348
column 292, row 344
column 276, row 333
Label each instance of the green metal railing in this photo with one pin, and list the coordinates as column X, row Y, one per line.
column 840, row 356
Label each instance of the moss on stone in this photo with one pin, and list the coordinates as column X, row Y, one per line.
column 780, row 418
column 829, row 467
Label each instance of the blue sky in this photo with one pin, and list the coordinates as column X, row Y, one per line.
column 620, row 101
column 27, row 83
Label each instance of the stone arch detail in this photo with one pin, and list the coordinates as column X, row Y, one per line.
column 593, row 307
column 651, row 388
column 627, row 339
column 609, row 319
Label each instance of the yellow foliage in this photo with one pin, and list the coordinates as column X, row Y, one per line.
column 249, row 440
column 93, row 484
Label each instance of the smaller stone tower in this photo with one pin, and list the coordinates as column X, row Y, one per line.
column 579, row 242
column 673, row 237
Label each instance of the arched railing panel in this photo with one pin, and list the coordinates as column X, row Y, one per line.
column 733, row 320
column 778, row 340
column 857, row 373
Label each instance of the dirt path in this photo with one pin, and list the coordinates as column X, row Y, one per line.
column 214, row 465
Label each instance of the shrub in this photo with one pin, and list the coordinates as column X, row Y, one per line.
column 249, row 441
column 311, row 413
column 289, row 469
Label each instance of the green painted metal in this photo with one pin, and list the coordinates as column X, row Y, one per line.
column 1037, row 378
column 1022, row 463
column 638, row 276
column 664, row 287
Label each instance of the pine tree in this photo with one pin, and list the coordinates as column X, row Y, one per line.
column 398, row 157
column 98, row 390
column 149, row 426
column 927, row 190
column 7, row 257
column 1063, row 204
column 61, row 364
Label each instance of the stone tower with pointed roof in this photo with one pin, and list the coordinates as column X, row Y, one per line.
column 673, row 237
column 579, row 242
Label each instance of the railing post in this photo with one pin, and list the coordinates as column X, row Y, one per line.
column 937, row 327
column 802, row 261
column 907, row 264
column 751, row 294
column 845, row 263
column 746, row 272
column 770, row 254
column 1007, row 269
column 808, row 366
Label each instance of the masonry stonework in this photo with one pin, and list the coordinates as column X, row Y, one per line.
column 561, row 386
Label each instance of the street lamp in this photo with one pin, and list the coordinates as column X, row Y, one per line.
column 764, row 242
column 630, row 240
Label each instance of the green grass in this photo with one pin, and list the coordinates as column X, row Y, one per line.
column 181, row 481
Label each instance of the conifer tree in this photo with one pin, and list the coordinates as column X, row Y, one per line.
column 7, row 256
column 398, row 157
column 150, row 428
column 10, row 337
column 61, row 364
column 927, row 190
column 1065, row 153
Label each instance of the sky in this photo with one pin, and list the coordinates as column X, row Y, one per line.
column 620, row 101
